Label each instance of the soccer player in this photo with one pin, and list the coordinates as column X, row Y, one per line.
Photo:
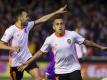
column 49, row 72
column 17, row 34
column 62, row 43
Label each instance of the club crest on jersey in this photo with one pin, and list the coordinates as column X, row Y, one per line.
column 69, row 41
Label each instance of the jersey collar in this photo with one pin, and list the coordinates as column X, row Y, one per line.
column 59, row 35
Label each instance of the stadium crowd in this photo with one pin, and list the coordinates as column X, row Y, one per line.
column 90, row 16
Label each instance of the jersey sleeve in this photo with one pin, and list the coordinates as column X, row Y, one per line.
column 30, row 25
column 46, row 46
column 78, row 38
column 7, row 35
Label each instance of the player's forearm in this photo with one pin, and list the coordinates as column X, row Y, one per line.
column 45, row 18
column 35, row 56
column 3, row 46
column 90, row 43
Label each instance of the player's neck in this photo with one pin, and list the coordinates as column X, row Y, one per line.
column 60, row 34
column 19, row 25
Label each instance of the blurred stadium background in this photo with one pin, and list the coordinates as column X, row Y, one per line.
column 92, row 14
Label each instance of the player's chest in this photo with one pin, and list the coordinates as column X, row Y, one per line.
column 20, row 34
column 62, row 43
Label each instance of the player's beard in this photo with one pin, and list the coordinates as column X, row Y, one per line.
column 25, row 23
column 61, row 31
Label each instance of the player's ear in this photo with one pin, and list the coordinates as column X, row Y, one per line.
column 53, row 27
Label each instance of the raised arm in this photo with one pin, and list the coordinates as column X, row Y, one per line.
column 48, row 16
column 79, row 39
column 90, row 43
column 3, row 46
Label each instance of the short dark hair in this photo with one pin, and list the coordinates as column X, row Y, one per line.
column 56, row 19
column 18, row 12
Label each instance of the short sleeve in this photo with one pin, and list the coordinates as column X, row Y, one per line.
column 78, row 38
column 30, row 25
column 46, row 46
column 7, row 35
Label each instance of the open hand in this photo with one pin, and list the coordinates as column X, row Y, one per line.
column 16, row 49
column 22, row 67
column 104, row 48
column 62, row 10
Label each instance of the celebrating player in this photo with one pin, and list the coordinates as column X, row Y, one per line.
column 62, row 43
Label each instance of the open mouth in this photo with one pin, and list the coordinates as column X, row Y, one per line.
column 60, row 29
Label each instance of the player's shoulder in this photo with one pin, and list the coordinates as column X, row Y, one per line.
column 70, row 32
column 51, row 37
column 31, row 22
column 73, row 32
column 11, row 28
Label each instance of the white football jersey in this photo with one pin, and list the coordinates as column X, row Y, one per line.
column 81, row 50
column 18, row 37
column 64, row 51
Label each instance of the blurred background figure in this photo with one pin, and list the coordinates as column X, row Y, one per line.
column 80, row 48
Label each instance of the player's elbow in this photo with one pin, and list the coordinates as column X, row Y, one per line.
column 87, row 42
